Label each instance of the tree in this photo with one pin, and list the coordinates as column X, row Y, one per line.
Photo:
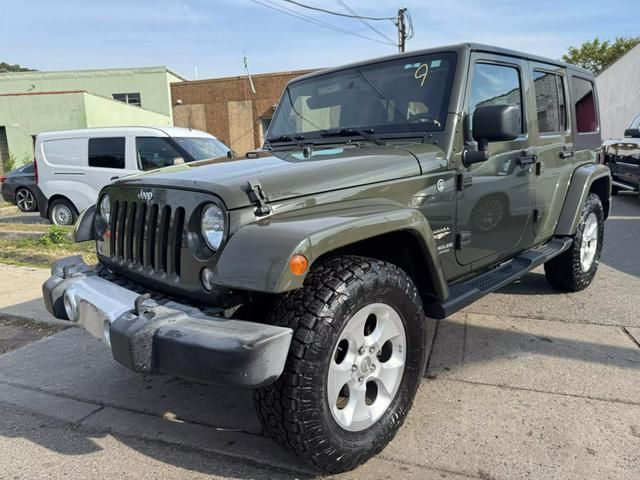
column 5, row 67
column 596, row 55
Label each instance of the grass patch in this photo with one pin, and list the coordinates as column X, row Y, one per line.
column 43, row 251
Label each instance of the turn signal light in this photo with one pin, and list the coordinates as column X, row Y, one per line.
column 298, row 264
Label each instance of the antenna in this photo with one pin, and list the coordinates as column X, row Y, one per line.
column 246, row 69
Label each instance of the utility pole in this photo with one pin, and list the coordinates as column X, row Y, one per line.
column 402, row 29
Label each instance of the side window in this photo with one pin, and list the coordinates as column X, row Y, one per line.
column 495, row 85
column 156, row 152
column 635, row 123
column 550, row 104
column 586, row 118
column 106, row 152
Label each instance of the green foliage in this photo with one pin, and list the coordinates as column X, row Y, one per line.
column 27, row 158
column 596, row 55
column 56, row 235
column 5, row 67
column 10, row 162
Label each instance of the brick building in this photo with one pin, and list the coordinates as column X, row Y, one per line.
column 227, row 107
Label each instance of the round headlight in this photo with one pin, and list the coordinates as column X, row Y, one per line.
column 105, row 208
column 212, row 225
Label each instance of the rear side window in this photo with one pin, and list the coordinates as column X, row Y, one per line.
column 495, row 85
column 27, row 168
column 156, row 152
column 67, row 152
column 106, row 152
column 550, row 103
column 585, row 103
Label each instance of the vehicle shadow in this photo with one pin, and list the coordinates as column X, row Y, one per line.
column 183, row 416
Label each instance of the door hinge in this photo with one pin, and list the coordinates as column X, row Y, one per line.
column 258, row 198
column 536, row 215
column 462, row 239
column 538, row 168
column 465, row 180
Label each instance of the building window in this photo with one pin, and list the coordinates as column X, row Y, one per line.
column 586, row 118
column 130, row 98
column 106, row 152
column 550, row 104
column 495, row 85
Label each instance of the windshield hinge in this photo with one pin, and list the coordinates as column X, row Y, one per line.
column 258, row 198
column 465, row 180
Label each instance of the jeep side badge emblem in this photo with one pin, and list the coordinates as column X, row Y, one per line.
column 145, row 196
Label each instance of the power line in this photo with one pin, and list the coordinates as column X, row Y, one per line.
column 337, row 13
column 367, row 24
column 305, row 18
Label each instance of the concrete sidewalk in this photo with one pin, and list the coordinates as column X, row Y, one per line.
column 526, row 383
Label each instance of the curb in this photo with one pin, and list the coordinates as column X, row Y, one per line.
column 20, row 234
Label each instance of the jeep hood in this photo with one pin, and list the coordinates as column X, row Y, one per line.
column 285, row 175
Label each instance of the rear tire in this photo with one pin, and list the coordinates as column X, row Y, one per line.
column 574, row 269
column 346, row 301
column 62, row 212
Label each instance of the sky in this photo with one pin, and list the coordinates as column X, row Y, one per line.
column 215, row 34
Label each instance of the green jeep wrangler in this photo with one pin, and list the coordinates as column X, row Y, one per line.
column 388, row 194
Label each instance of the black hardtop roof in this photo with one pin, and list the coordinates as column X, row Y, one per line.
column 459, row 48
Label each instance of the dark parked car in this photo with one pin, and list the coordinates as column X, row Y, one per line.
column 19, row 187
column 623, row 158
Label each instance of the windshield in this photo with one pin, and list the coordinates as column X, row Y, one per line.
column 202, row 148
column 404, row 95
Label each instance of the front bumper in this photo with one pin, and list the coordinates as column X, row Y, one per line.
column 173, row 339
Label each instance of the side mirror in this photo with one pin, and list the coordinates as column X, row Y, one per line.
column 493, row 123
column 632, row 132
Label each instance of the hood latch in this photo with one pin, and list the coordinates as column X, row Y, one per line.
column 258, row 198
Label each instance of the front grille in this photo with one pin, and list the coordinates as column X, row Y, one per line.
column 147, row 235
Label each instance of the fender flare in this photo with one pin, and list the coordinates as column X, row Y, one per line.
column 83, row 229
column 582, row 180
column 256, row 257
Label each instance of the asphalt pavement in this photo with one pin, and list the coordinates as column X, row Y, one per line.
column 527, row 383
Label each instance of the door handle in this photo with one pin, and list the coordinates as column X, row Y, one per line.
column 566, row 154
column 527, row 160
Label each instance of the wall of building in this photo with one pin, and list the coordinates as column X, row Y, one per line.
column 228, row 109
column 105, row 112
column 619, row 94
column 23, row 116
column 153, row 84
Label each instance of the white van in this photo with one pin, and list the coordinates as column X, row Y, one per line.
column 73, row 165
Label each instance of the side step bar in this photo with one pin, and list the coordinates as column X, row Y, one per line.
column 465, row 293
column 624, row 186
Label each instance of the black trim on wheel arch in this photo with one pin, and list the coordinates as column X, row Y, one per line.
column 295, row 410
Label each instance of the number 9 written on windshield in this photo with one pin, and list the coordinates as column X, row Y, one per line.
column 421, row 73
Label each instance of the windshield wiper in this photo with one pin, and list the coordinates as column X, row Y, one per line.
column 287, row 138
column 350, row 132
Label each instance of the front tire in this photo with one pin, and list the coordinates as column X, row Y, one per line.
column 25, row 200
column 355, row 363
column 574, row 269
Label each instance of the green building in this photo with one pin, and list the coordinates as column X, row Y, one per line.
column 33, row 102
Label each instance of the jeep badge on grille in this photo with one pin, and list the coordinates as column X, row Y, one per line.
column 146, row 196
